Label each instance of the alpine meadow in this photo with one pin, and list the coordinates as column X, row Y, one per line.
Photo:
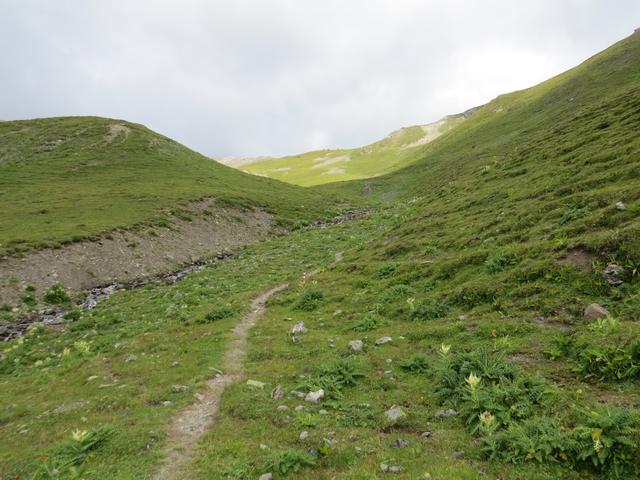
column 459, row 300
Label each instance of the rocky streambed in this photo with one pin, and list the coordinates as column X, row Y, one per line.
column 56, row 316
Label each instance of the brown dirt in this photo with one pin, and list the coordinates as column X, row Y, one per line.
column 188, row 426
column 124, row 256
column 581, row 259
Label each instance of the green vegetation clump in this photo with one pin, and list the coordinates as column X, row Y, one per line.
column 218, row 313
column 56, row 295
column 309, row 300
column 288, row 461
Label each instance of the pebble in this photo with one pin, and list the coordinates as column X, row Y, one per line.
column 621, row 206
column 399, row 443
column 394, row 414
column 449, row 412
column 304, row 435
column 299, row 408
column 131, row 358
column 266, row 476
column 282, row 408
column 299, row 328
column 315, row 397
column 256, row 384
column 277, row 393
column 595, row 311
column 383, row 340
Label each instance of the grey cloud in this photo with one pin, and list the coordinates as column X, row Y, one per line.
column 276, row 76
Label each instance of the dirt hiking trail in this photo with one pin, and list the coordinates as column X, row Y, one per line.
column 188, row 425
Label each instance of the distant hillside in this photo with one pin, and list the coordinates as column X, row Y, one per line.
column 68, row 178
column 398, row 149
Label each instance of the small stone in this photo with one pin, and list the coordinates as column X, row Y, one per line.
column 595, row 311
column 167, row 403
column 356, row 346
column 399, row 443
column 383, row 340
column 175, row 364
column 329, row 442
column 462, row 317
column 621, row 206
column 388, row 360
column 449, row 412
column 299, row 328
column 263, row 446
column 299, row 408
column 131, row 358
column 282, row 408
column 613, row 274
column 303, row 435
column 287, row 419
column 322, row 411
column 426, row 434
column 384, row 467
column 277, row 393
column 315, row 397
column 394, row 414
column 395, row 469
column 179, row 388
column 256, row 384
column 266, row 476
column 458, row 455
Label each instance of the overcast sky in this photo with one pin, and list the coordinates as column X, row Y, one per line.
column 275, row 77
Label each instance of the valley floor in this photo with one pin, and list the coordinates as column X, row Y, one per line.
column 102, row 398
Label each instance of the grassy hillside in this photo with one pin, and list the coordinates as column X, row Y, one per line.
column 467, row 287
column 400, row 148
column 68, row 178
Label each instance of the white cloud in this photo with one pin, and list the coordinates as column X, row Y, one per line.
column 281, row 76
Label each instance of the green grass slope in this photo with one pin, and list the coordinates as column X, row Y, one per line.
column 467, row 287
column 69, row 178
column 398, row 149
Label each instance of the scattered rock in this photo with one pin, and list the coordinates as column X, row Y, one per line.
column 287, row 419
column 266, row 476
column 394, row 414
column 277, row 393
column 390, row 468
column 282, row 408
column 621, row 206
column 613, row 274
column 256, row 384
column 263, row 446
column 322, row 411
column 329, row 442
column 315, row 397
column 299, row 328
column 449, row 412
column 356, row 346
column 167, row 403
column 299, row 408
column 303, row 435
column 131, row 358
column 383, row 340
column 399, row 443
column 179, row 388
column 426, row 434
column 595, row 311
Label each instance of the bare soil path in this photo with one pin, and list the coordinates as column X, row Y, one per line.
column 188, row 425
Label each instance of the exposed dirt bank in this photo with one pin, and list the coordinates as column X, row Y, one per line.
column 200, row 230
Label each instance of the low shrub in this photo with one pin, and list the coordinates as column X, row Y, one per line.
column 56, row 295
column 309, row 300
